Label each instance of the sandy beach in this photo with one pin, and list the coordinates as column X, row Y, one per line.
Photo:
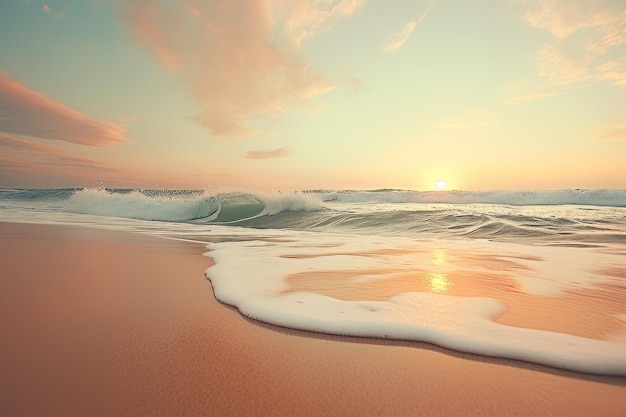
column 102, row 323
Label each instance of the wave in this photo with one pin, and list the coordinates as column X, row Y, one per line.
column 36, row 194
column 277, row 202
column 184, row 206
column 139, row 205
column 604, row 197
column 519, row 215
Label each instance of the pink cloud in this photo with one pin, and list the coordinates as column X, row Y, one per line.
column 239, row 59
column 276, row 153
column 24, row 163
column 13, row 164
column 28, row 113
column 47, row 155
column 46, row 9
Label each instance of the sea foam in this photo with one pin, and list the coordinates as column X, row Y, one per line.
column 252, row 275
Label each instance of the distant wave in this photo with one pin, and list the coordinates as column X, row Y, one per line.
column 35, row 194
column 613, row 198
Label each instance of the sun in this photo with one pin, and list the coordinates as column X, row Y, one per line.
column 441, row 185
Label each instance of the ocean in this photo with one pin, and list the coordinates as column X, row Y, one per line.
column 536, row 276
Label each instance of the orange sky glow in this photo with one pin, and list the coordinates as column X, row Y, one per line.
column 299, row 94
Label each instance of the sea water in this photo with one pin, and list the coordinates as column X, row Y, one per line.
column 538, row 276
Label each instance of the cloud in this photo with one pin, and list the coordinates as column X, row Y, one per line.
column 562, row 18
column 396, row 40
column 276, row 153
column 588, row 41
column 12, row 164
column 46, row 9
column 560, row 67
column 614, row 71
column 24, row 163
column 47, row 155
column 302, row 19
column 615, row 132
column 26, row 112
column 238, row 59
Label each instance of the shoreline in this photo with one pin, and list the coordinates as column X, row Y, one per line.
column 115, row 323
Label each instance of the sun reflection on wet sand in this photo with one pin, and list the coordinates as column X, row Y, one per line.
column 469, row 273
column 438, row 282
column 438, row 257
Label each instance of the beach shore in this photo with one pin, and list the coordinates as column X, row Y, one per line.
column 103, row 323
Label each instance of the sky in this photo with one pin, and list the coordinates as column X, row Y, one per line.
column 313, row 94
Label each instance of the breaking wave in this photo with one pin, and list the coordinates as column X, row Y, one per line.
column 184, row 206
column 582, row 215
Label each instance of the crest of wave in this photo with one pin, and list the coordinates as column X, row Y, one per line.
column 277, row 202
column 138, row 205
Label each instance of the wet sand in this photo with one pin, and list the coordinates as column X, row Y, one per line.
column 475, row 276
column 100, row 323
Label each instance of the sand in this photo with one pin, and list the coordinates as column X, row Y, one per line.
column 99, row 323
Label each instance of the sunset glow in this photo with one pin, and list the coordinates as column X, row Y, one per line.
column 313, row 95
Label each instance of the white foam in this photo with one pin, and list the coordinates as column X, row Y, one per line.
column 137, row 205
column 250, row 275
column 558, row 269
column 277, row 202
